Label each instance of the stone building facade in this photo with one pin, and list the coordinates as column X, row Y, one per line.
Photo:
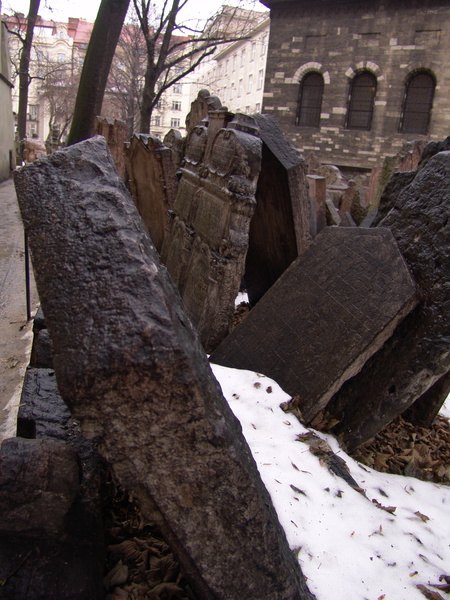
column 353, row 80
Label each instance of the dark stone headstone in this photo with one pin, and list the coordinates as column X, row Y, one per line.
column 39, row 480
column 131, row 368
column 418, row 354
column 320, row 322
column 41, row 350
column 280, row 226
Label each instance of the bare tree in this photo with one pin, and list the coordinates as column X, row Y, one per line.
column 24, row 64
column 96, row 66
column 174, row 49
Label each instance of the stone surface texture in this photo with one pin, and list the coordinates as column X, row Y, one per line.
column 280, row 226
column 325, row 316
column 206, row 240
column 39, row 480
column 132, row 370
column 152, row 182
column 418, row 354
column 115, row 133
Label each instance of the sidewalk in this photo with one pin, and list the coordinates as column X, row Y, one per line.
column 15, row 332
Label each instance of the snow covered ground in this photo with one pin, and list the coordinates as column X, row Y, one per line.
column 378, row 543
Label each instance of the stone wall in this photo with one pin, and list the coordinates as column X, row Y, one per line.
column 390, row 40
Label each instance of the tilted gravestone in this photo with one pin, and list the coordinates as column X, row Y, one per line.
column 131, row 369
column 206, row 239
column 327, row 314
column 152, row 181
column 418, row 354
column 280, row 227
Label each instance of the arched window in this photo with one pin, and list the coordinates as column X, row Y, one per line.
column 310, row 100
column 417, row 103
column 362, row 97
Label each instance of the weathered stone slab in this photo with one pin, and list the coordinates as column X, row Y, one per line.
column 320, row 322
column 280, row 227
column 418, row 354
column 206, row 240
column 200, row 108
column 115, row 132
column 153, row 182
column 317, row 193
column 41, row 351
column 39, row 480
column 131, row 368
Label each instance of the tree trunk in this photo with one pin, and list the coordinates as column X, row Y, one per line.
column 24, row 69
column 97, row 64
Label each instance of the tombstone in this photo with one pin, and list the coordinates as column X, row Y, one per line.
column 152, row 182
column 207, row 234
column 176, row 142
column 280, row 226
column 116, row 134
column 200, row 108
column 417, row 355
column 317, row 194
column 130, row 367
column 325, row 316
column 33, row 148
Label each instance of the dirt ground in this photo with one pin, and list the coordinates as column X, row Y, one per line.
column 15, row 331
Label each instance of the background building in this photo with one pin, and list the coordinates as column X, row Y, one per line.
column 7, row 152
column 353, row 80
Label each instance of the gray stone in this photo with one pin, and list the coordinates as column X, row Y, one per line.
column 131, row 368
column 39, row 480
column 280, row 226
column 206, row 240
column 152, row 181
column 200, row 108
column 325, row 316
column 42, row 350
column 418, row 354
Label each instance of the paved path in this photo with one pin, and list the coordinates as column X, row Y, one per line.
column 15, row 332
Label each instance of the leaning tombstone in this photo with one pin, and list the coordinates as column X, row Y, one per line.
column 206, row 239
column 152, row 181
column 417, row 355
column 131, row 369
column 280, row 226
column 325, row 316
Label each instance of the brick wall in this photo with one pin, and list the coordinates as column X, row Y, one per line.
column 391, row 39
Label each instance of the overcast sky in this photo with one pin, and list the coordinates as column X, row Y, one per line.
column 61, row 10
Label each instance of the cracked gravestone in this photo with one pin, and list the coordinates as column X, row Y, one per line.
column 280, row 227
column 152, row 182
column 206, row 239
column 418, row 354
column 325, row 316
column 132, row 370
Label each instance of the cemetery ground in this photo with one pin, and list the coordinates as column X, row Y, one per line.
column 357, row 532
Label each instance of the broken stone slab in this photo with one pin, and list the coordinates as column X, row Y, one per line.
column 39, row 480
column 132, row 370
column 326, row 315
column 418, row 353
column 115, row 132
column 280, row 227
column 152, row 181
column 200, row 108
column 206, row 239
column 317, row 193
column 41, row 350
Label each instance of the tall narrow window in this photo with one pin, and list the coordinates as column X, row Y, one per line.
column 362, row 97
column 417, row 103
column 310, row 100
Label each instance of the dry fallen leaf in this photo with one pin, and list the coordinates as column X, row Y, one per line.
column 422, row 516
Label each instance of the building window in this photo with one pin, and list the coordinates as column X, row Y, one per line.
column 263, row 45
column 176, row 105
column 174, row 122
column 232, row 90
column 227, row 66
column 243, row 58
column 417, row 103
column 258, row 107
column 247, row 110
column 156, row 121
column 260, row 78
column 253, row 52
column 34, row 112
column 61, row 58
column 249, row 84
column 310, row 100
column 240, row 88
column 225, row 93
column 234, row 62
column 178, row 88
column 362, row 97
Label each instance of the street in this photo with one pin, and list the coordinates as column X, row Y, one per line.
column 15, row 332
